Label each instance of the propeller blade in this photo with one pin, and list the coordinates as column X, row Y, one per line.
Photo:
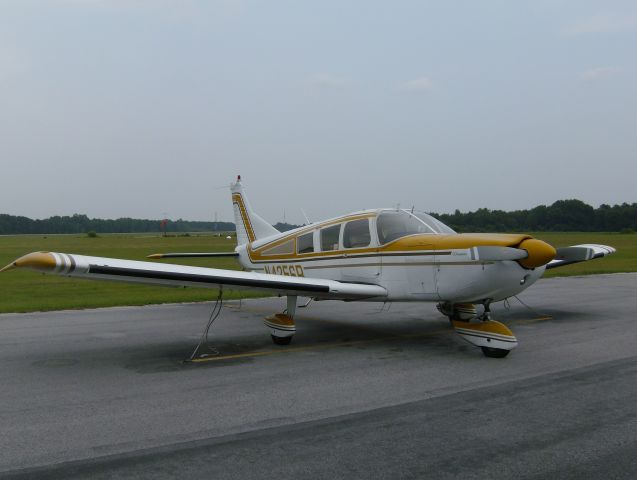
column 497, row 254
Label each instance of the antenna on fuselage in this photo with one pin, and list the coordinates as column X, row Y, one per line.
column 306, row 217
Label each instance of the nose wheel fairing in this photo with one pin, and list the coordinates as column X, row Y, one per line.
column 495, row 338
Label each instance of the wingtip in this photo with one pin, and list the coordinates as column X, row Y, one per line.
column 11, row 266
column 155, row 255
column 41, row 261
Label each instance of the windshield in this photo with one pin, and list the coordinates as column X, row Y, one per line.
column 434, row 223
column 400, row 223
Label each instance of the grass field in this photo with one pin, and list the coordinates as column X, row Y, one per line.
column 25, row 291
column 624, row 260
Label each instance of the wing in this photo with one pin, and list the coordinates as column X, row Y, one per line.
column 579, row 253
column 194, row 255
column 100, row 268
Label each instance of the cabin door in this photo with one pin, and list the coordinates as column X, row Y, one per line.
column 360, row 262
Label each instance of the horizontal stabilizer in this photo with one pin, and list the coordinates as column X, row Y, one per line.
column 194, row 255
column 579, row 253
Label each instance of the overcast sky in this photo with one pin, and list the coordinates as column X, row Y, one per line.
column 143, row 108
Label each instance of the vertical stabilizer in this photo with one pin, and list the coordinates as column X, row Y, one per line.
column 250, row 226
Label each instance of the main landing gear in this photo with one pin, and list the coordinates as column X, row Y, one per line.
column 494, row 338
column 281, row 325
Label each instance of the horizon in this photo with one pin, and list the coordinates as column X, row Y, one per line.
column 159, row 219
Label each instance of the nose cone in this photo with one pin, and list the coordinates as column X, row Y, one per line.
column 540, row 253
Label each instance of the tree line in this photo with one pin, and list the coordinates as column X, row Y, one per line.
column 561, row 216
column 12, row 225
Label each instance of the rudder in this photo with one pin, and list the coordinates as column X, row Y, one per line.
column 250, row 226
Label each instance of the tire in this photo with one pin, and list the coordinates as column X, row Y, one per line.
column 494, row 352
column 281, row 340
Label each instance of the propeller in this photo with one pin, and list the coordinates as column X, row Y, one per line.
column 531, row 253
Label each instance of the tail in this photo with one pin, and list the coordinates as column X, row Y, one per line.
column 250, row 226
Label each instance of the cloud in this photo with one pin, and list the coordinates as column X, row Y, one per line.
column 324, row 80
column 602, row 23
column 422, row 84
column 600, row 72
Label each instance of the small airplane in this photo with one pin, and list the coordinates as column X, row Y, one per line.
column 382, row 255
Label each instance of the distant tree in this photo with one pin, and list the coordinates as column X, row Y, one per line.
column 563, row 215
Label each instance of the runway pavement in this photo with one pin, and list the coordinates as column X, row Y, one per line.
column 360, row 393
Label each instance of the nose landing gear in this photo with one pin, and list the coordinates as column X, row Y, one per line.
column 494, row 338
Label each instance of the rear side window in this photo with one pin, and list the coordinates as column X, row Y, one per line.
column 329, row 238
column 305, row 243
column 281, row 249
column 356, row 234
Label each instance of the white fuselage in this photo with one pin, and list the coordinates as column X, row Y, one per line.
column 410, row 269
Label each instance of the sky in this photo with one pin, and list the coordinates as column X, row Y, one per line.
column 146, row 109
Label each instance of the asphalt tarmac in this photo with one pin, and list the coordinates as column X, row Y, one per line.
column 362, row 392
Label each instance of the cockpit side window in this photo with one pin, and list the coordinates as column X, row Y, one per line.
column 397, row 224
column 329, row 238
column 356, row 234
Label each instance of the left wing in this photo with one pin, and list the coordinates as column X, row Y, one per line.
column 132, row 271
column 579, row 253
column 194, row 255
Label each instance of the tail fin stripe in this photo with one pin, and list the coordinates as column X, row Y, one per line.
column 250, row 226
column 238, row 200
